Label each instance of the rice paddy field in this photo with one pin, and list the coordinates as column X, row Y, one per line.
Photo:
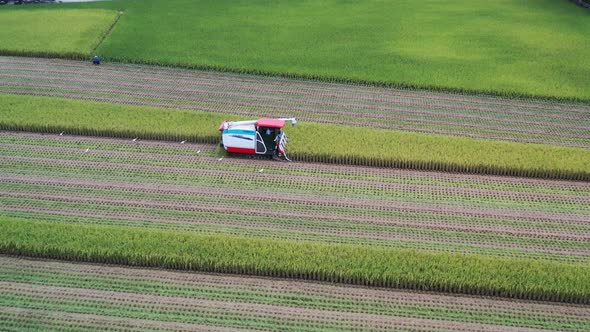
column 72, row 33
column 463, row 207
column 421, row 249
column 118, row 165
column 170, row 186
column 58, row 190
column 508, row 47
column 505, row 47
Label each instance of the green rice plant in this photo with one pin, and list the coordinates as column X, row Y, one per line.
column 308, row 142
column 389, row 148
column 458, row 45
column 54, row 115
column 67, row 33
column 353, row 264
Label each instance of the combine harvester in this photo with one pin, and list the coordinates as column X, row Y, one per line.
column 262, row 137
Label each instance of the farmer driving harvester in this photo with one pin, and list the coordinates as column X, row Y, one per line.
column 256, row 137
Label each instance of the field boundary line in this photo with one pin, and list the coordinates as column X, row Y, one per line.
column 104, row 35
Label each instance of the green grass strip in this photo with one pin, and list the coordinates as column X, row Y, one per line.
column 356, row 264
column 309, row 142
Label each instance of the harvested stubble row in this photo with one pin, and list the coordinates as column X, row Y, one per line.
column 128, row 298
column 170, row 186
column 451, row 114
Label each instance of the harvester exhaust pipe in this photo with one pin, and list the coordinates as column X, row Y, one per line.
column 292, row 120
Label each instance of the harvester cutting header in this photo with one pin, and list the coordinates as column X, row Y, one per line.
column 256, row 137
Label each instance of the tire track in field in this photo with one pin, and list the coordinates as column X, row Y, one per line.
column 532, row 121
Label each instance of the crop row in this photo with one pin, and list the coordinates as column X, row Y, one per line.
column 340, row 263
column 119, row 183
column 482, row 117
column 378, row 209
column 326, row 143
column 19, row 276
column 301, row 229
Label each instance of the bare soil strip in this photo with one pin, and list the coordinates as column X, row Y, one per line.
column 34, row 289
column 171, row 186
column 533, row 121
